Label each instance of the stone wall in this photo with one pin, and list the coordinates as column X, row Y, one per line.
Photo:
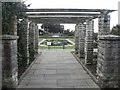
column 89, row 42
column 9, row 61
column 108, row 61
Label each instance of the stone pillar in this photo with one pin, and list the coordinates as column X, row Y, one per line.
column 89, row 42
column 0, row 45
column 104, row 25
column 0, row 64
column 9, row 61
column 76, row 39
column 119, row 12
column 108, row 61
column 81, row 40
column 23, row 49
column 36, row 38
column 32, row 41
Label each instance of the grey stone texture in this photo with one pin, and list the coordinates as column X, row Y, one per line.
column 89, row 42
column 0, row 62
column 81, row 40
column 76, row 38
column 108, row 62
column 36, row 38
column 57, row 68
column 9, row 61
column 119, row 12
column 103, row 24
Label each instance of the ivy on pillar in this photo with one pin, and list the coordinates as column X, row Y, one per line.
column 9, row 51
column 76, row 39
column 89, row 42
column 23, row 50
column 81, row 40
column 36, row 38
column 31, row 41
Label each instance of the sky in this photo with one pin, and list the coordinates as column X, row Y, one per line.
column 79, row 4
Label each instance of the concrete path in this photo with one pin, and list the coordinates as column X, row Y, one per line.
column 57, row 68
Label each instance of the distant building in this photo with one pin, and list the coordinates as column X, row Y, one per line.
column 119, row 12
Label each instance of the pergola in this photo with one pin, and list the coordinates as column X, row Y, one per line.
column 108, row 60
column 69, row 16
column 83, row 32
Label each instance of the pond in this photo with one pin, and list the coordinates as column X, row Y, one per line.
column 57, row 42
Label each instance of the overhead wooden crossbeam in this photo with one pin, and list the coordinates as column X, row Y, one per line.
column 68, row 10
column 82, row 14
column 41, row 16
column 64, row 15
column 59, row 20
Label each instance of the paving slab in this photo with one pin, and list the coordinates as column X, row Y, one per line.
column 57, row 68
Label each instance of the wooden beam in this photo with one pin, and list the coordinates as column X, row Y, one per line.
column 81, row 14
column 72, row 20
column 68, row 10
column 57, row 16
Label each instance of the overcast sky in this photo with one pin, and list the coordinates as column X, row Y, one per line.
column 79, row 4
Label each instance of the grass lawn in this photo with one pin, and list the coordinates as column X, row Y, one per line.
column 57, row 47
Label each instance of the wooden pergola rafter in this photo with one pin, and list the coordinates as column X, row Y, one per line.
column 72, row 16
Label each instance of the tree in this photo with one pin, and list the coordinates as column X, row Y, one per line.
column 54, row 28
column 68, row 32
column 116, row 30
column 11, row 12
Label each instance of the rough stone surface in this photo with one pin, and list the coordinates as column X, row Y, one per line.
column 9, row 61
column 89, row 42
column 36, row 38
column 104, row 25
column 76, row 39
column 108, row 62
column 57, row 68
column 81, row 40
column 119, row 12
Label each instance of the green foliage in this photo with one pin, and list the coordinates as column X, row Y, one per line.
column 55, row 28
column 22, row 54
column 116, row 30
column 9, row 11
column 68, row 33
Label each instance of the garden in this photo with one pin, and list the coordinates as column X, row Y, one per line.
column 56, row 43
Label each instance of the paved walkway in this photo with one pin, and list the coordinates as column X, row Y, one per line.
column 57, row 68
